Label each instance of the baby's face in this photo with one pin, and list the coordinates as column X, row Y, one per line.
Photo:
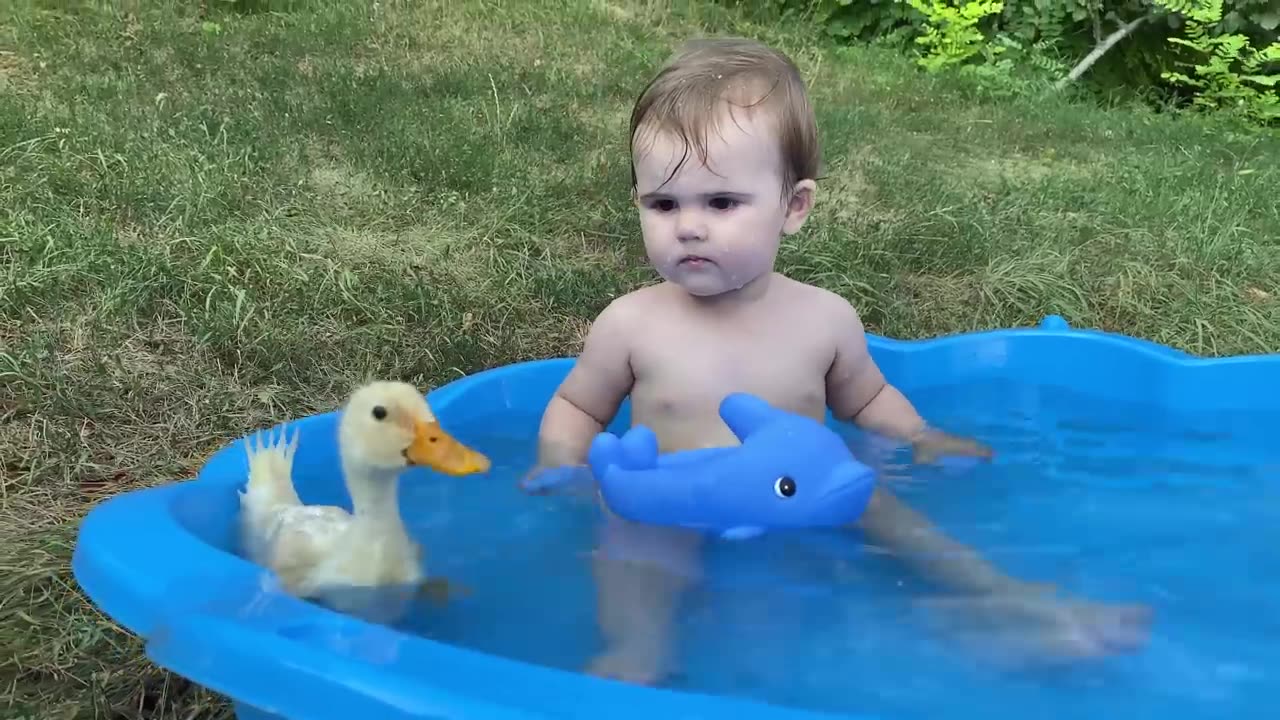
column 713, row 228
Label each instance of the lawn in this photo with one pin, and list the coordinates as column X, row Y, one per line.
column 210, row 224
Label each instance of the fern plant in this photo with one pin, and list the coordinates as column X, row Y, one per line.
column 1232, row 74
column 951, row 32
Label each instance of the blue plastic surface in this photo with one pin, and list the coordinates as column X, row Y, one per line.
column 160, row 562
column 789, row 471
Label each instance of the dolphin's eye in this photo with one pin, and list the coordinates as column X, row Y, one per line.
column 784, row 486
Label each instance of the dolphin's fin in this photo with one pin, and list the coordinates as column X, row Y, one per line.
column 745, row 413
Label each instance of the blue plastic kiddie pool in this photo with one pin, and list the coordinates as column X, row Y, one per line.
column 1124, row 472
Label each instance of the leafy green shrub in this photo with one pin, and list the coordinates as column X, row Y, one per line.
column 1232, row 72
column 950, row 32
column 1216, row 54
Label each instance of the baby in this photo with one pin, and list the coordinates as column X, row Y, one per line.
column 724, row 159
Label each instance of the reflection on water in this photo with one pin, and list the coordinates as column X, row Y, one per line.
column 1110, row 503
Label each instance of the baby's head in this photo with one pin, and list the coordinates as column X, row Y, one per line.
column 725, row 153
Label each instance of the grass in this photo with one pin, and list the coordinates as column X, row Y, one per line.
column 209, row 223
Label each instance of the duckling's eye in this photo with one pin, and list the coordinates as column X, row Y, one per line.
column 784, row 487
column 379, row 412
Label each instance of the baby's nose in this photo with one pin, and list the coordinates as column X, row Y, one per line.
column 690, row 226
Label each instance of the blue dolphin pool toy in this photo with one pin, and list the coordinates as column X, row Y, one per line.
column 790, row 471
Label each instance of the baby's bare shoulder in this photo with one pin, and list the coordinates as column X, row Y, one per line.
column 812, row 299
column 629, row 310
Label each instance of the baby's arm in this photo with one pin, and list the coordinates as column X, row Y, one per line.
column 590, row 395
column 857, row 391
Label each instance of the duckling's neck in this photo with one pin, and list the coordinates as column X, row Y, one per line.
column 374, row 495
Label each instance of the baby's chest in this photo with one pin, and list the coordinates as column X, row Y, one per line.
column 688, row 369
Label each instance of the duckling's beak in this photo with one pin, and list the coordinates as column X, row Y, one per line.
column 440, row 451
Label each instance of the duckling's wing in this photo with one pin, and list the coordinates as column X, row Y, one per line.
column 269, row 487
column 298, row 539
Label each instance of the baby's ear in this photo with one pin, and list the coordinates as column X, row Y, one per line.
column 799, row 205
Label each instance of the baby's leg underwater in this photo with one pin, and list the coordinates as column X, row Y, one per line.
column 641, row 572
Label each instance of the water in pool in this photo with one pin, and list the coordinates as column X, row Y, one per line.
column 1109, row 502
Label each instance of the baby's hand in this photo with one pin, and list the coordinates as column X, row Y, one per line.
column 543, row 480
column 558, row 466
column 934, row 444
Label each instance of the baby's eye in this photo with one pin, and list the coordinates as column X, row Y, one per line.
column 663, row 205
column 725, row 203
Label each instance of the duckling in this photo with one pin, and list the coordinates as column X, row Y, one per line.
column 363, row 562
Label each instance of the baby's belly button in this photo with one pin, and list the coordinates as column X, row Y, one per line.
column 693, row 434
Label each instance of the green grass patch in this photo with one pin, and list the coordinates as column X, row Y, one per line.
column 213, row 222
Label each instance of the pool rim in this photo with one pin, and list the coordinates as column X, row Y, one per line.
column 175, row 625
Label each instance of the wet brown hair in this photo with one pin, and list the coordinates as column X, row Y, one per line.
column 688, row 93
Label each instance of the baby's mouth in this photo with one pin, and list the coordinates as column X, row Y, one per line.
column 695, row 261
